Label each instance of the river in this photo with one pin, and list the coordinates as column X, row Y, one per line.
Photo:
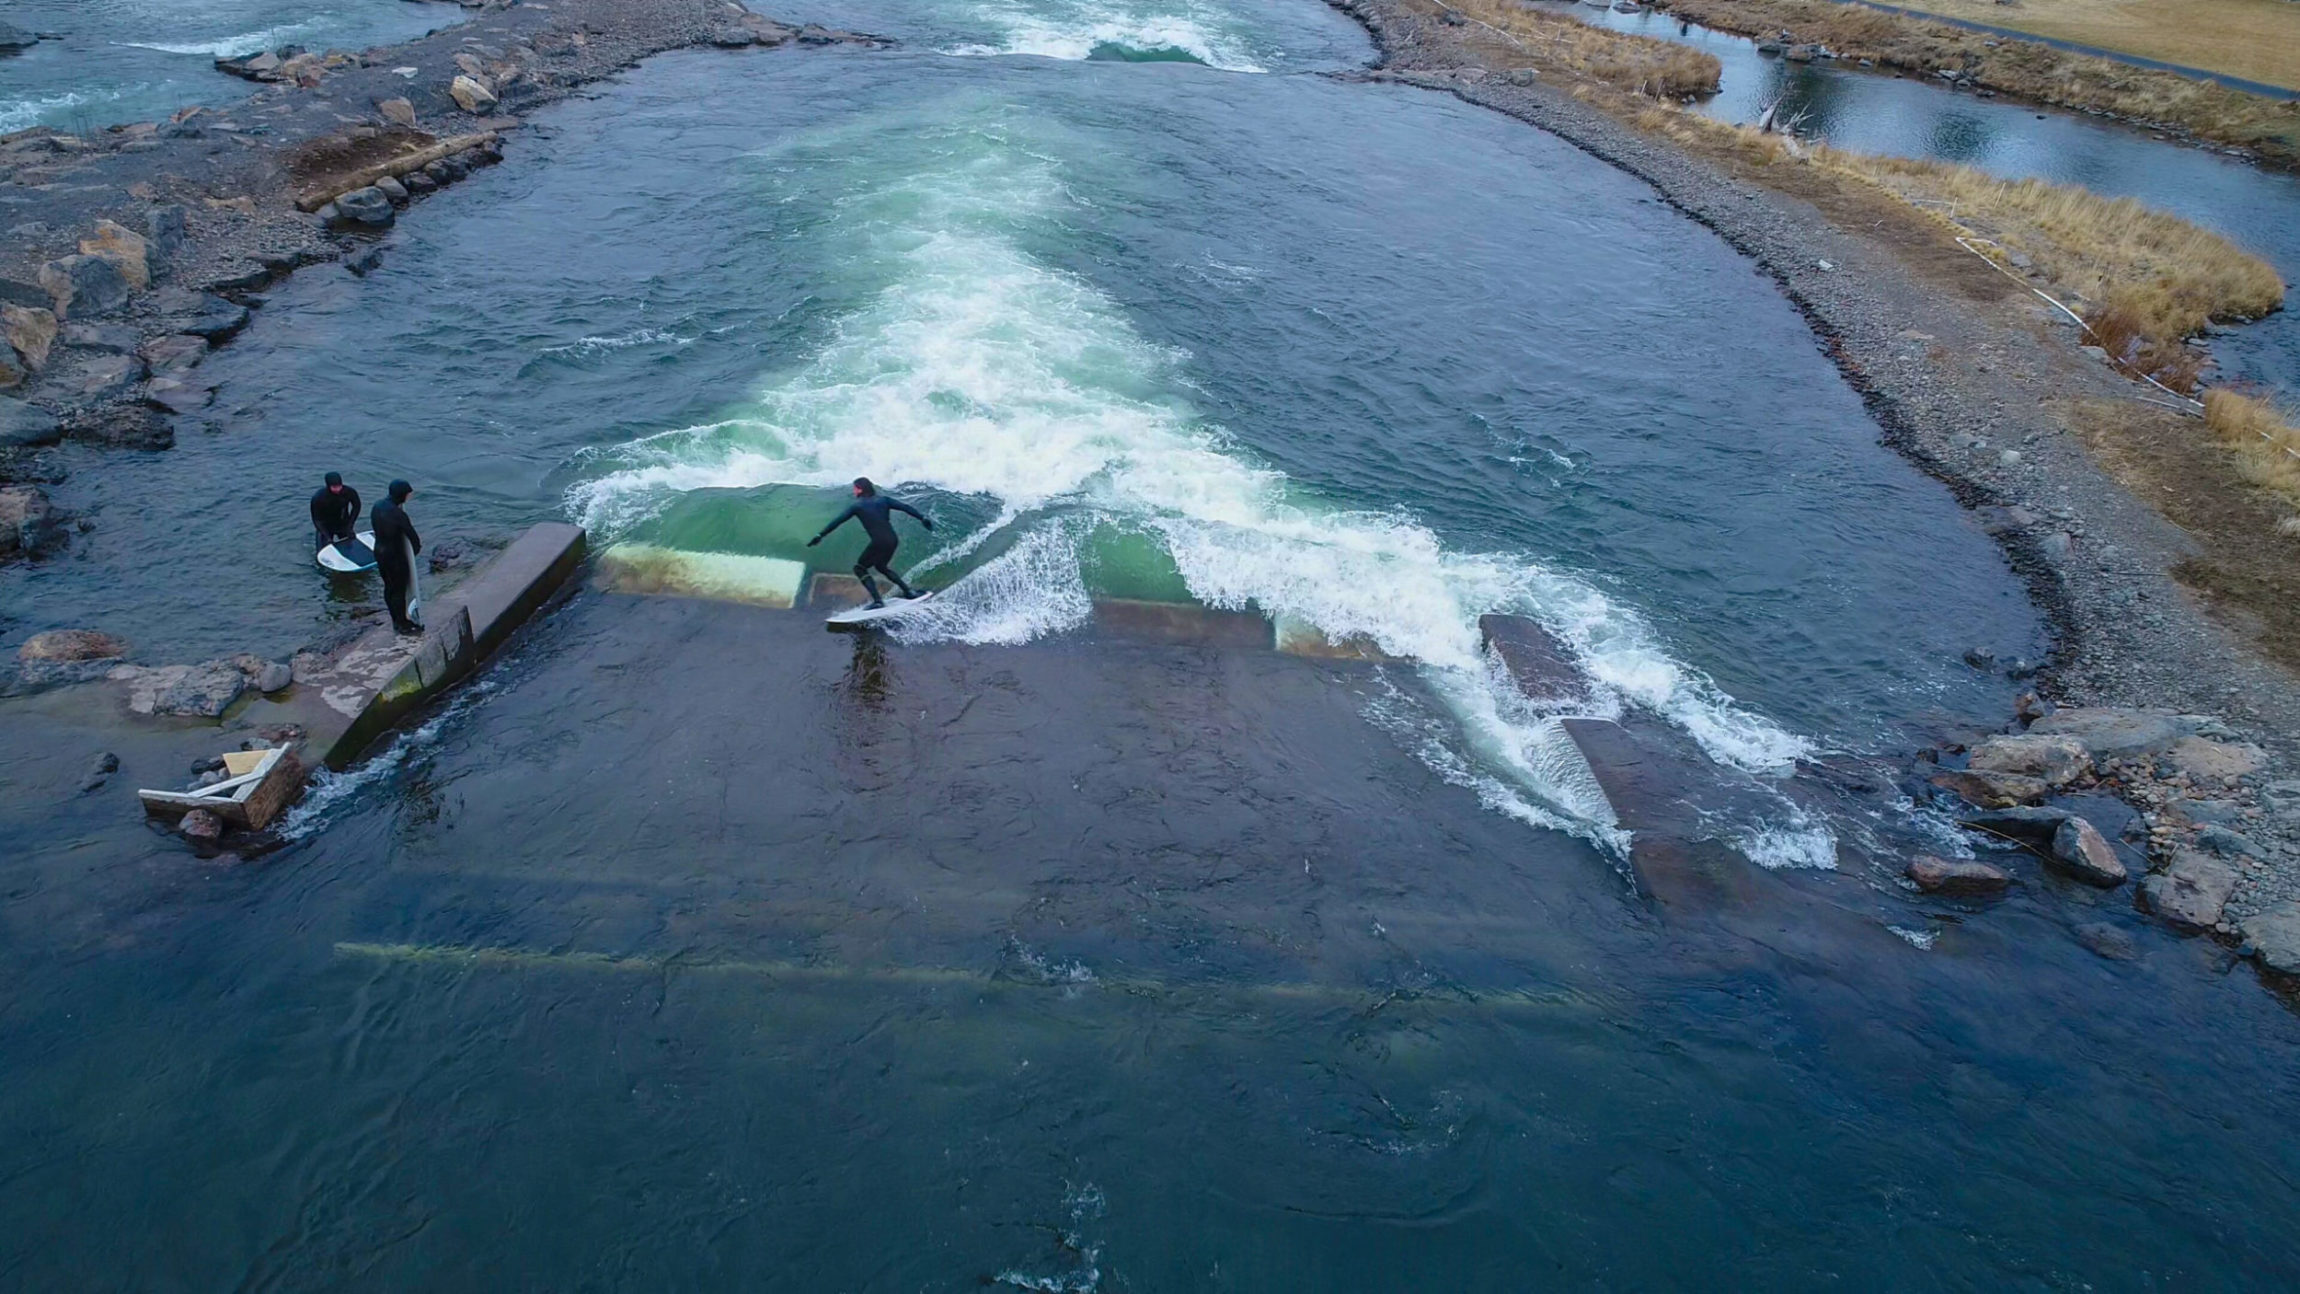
column 697, row 948
column 1877, row 112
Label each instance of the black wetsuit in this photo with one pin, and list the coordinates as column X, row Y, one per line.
column 394, row 537
column 332, row 515
column 875, row 514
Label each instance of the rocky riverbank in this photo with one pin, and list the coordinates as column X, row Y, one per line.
column 131, row 252
column 1977, row 383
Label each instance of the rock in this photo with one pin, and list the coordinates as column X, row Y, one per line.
column 2109, row 733
column 275, row 677
column 363, row 260
column 2058, row 760
column 2282, row 800
column 81, row 286
column 2107, row 941
column 447, row 557
column 123, row 426
column 470, row 95
column 201, row 691
column 399, row 112
column 123, row 247
column 103, row 377
column 469, row 64
column 16, row 37
column 71, row 644
column 744, row 37
column 2226, row 843
column 30, row 331
column 2211, row 761
column 101, row 771
column 2207, row 812
column 2080, row 851
column 211, row 317
column 29, row 525
column 366, row 208
column 200, row 824
column 392, row 189
column 164, row 231
column 112, row 339
column 1991, row 790
column 2189, row 894
column 2274, row 938
column 12, row 370
column 174, row 353
column 419, row 182
column 23, row 425
column 179, row 395
column 2030, row 826
column 1956, row 878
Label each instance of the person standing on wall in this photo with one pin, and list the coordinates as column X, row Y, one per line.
column 396, row 545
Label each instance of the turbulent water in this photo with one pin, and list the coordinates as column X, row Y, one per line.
column 698, row 948
column 139, row 60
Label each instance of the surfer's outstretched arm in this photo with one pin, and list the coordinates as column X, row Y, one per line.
column 843, row 518
column 900, row 506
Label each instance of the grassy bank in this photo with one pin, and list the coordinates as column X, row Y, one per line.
column 2264, row 441
column 2258, row 40
column 2269, row 128
column 1543, row 41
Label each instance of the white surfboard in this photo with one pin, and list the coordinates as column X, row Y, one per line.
column 349, row 556
column 864, row 615
column 414, row 583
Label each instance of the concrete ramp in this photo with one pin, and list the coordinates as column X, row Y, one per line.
column 723, row 577
column 1181, row 622
column 1542, row 667
column 1654, row 792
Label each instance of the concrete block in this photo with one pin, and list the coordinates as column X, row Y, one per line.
column 720, row 577
column 1301, row 638
column 1542, row 667
column 1181, row 622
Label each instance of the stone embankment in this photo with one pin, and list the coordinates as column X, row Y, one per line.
column 131, row 252
column 1975, row 384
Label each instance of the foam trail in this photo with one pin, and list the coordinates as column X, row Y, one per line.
column 973, row 368
column 252, row 42
column 1075, row 30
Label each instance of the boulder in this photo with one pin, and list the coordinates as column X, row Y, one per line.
column 470, row 95
column 123, row 247
column 2282, row 800
column 123, row 426
column 2226, row 843
column 30, row 331
column 2274, row 937
column 179, row 395
column 208, row 315
column 2203, row 760
column 100, row 772
column 392, row 189
column 82, row 286
column 366, row 208
column 2190, row 893
column 1541, row 665
column 29, row 525
column 2107, row 941
column 419, row 182
column 1991, row 790
column 199, row 824
column 174, row 352
column 71, row 645
column 2057, row 760
column 112, row 339
column 398, row 112
column 24, row 425
column 2109, row 733
column 164, row 232
column 201, row 691
column 2080, row 851
column 274, row 676
column 1958, row 878
column 744, row 37
column 2029, row 826
column 102, row 377
column 469, row 64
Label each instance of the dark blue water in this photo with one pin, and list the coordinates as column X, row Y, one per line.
column 696, row 948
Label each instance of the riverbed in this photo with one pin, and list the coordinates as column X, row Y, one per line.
column 695, row 947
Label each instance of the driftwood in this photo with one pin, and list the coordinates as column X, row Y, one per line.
column 399, row 165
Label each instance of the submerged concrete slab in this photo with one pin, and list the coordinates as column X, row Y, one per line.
column 1181, row 622
column 362, row 690
column 1650, row 791
column 1537, row 661
column 723, row 577
column 1301, row 638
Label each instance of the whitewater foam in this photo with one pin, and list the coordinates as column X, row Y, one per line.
column 251, row 42
column 1077, row 30
column 975, row 369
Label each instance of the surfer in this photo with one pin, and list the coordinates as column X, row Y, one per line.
column 334, row 509
column 875, row 511
column 396, row 545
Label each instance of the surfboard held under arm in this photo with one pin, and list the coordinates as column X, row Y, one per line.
column 857, row 617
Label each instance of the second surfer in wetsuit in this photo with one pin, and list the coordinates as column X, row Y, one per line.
column 875, row 511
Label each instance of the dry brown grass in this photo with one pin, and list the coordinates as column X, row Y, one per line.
column 1554, row 42
column 2268, row 127
column 2261, row 436
column 2258, row 40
